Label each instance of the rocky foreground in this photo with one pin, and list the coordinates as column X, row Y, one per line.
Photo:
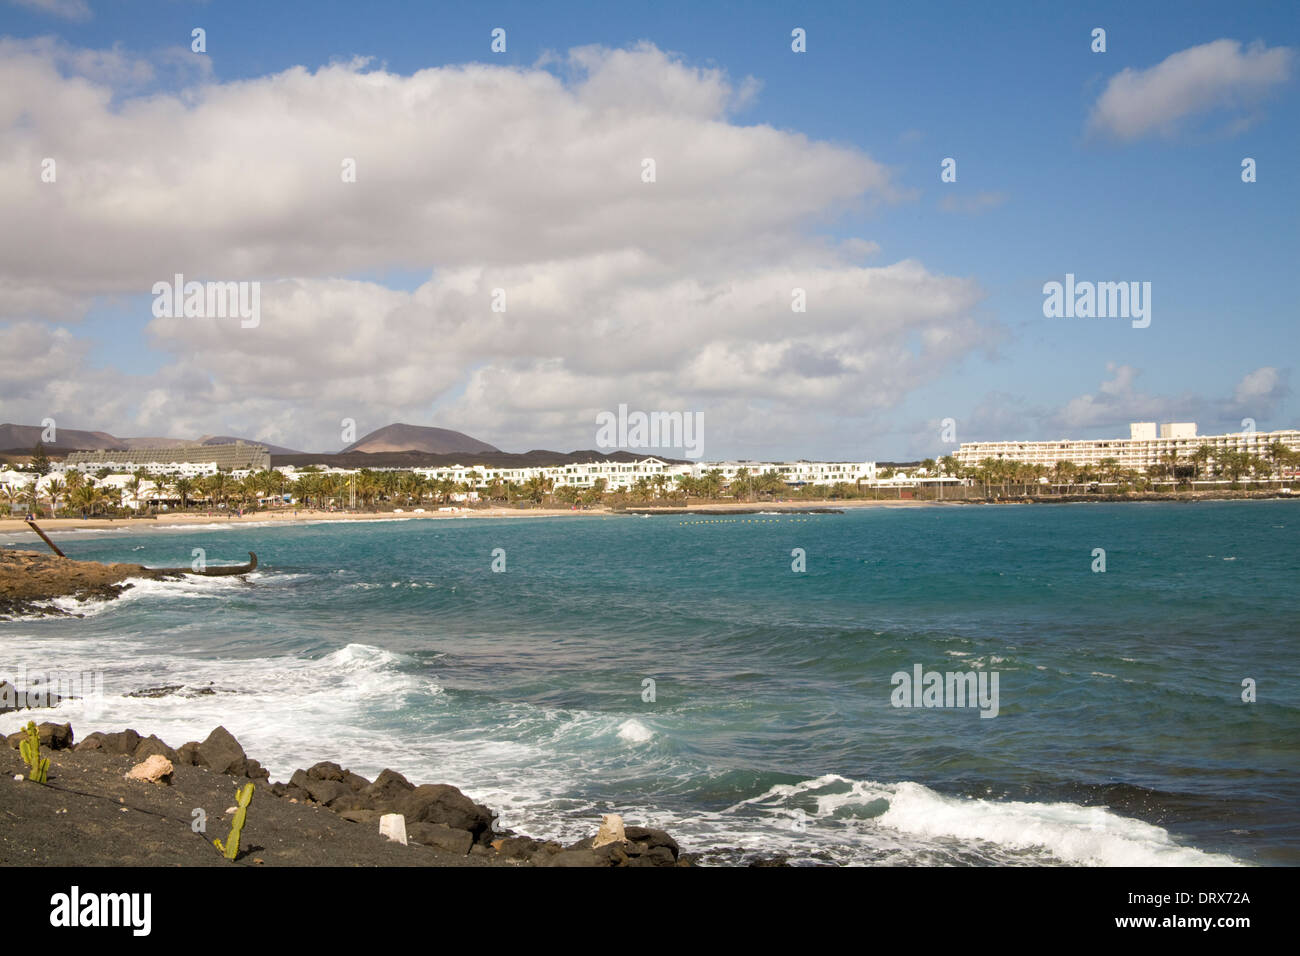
column 90, row 813
column 29, row 580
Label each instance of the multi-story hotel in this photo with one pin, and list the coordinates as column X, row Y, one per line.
column 1144, row 447
column 189, row 460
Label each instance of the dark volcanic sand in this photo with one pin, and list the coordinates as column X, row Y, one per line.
column 88, row 814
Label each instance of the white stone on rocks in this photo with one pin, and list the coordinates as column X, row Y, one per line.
column 393, row 826
column 611, row 831
column 155, row 769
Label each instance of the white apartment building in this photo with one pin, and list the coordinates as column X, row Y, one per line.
column 622, row 475
column 179, row 469
column 617, row 474
column 1144, row 447
column 791, row 472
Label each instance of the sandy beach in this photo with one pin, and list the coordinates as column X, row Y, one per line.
column 302, row 515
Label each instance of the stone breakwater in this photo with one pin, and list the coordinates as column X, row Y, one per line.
column 92, row 812
column 29, row 580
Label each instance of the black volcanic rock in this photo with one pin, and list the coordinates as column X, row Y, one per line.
column 221, row 752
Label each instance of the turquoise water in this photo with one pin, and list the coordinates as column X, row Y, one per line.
column 1121, row 736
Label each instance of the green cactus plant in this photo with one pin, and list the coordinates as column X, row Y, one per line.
column 30, row 748
column 243, row 797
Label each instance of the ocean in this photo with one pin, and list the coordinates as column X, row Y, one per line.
column 676, row 670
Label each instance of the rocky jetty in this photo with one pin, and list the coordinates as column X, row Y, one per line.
column 29, row 580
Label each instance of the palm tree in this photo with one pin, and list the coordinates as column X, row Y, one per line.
column 133, row 487
column 218, row 487
column 771, row 483
column 1109, row 469
column 741, row 484
column 1170, row 460
column 1065, row 472
column 86, row 497
column 1235, row 464
column 538, row 487
column 596, row 492
column 54, row 489
column 1200, row 458
column 183, row 487
column 30, row 494
column 1278, row 453
column 711, row 483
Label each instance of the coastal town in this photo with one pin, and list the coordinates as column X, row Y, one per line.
column 240, row 476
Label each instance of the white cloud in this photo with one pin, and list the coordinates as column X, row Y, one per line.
column 672, row 294
column 1212, row 76
column 1260, row 392
column 1119, row 400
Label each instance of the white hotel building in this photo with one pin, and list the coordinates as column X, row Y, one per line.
column 1144, row 447
column 623, row 475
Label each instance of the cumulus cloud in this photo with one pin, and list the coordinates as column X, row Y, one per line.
column 1118, row 400
column 1213, row 76
column 1260, row 392
column 674, row 294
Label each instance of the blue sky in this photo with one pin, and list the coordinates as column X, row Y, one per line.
column 1007, row 92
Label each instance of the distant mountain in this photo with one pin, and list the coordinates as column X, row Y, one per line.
column 23, row 438
column 421, row 438
column 66, row 439
column 156, row 442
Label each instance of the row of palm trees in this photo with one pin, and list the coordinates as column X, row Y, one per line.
column 1201, row 464
column 370, row 489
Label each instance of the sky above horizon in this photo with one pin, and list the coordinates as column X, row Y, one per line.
column 523, row 171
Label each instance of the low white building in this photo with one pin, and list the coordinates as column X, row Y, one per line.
column 622, row 475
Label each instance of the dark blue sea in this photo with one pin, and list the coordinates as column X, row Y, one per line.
column 678, row 671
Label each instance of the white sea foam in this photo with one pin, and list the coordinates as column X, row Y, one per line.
column 190, row 586
column 287, row 711
column 370, row 708
column 1061, row 832
column 634, row 732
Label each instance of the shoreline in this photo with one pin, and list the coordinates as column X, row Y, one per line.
column 305, row 516
column 30, row 581
column 785, row 506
